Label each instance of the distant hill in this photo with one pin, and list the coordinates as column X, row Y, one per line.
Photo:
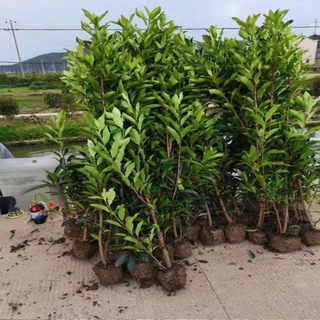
column 51, row 62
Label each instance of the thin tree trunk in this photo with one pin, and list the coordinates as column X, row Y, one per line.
column 223, row 207
column 85, row 234
column 100, row 241
column 278, row 218
column 165, row 253
column 285, row 219
column 174, row 228
column 305, row 209
column 208, row 215
column 178, row 174
column 236, row 205
column 296, row 212
column 262, row 210
column 180, row 228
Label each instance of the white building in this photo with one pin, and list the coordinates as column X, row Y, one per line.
column 310, row 50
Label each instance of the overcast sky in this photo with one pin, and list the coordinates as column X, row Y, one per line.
column 187, row 13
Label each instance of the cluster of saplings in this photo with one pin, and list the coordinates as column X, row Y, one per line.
column 188, row 141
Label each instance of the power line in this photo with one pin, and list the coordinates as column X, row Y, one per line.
column 27, row 62
column 119, row 29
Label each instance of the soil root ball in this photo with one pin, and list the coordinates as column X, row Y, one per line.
column 310, row 236
column 284, row 243
column 173, row 279
column 109, row 274
column 211, row 236
column 84, row 249
column 144, row 274
column 235, row 232
column 182, row 249
column 192, row 232
column 257, row 237
column 73, row 230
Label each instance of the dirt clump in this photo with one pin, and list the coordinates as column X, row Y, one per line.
column 59, row 240
column 84, row 249
column 19, row 246
column 284, row 243
column 109, row 274
column 310, row 236
column 72, row 230
column 182, row 249
column 144, row 274
column 14, row 306
column 210, row 236
column 257, row 237
column 173, row 279
column 191, row 232
column 235, row 232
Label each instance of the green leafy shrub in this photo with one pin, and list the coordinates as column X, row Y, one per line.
column 265, row 113
column 8, row 107
column 158, row 158
column 43, row 85
column 53, row 100
column 65, row 101
column 314, row 86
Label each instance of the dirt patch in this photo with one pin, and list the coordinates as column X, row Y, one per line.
column 66, row 253
column 109, row 274
column 144, row 274
column 235, row 232
column 211, row 236
column 310, row 236
column 182, row 249
column 84, row 249
column 20, row 246
column 34, row 231
column 59, row 240
column 257, row 237
column 173, row 279
column 88, row 287
column 14, row 306
column 284, row 243
column 41, row 241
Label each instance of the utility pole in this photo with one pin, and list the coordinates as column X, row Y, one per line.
column 42, row 67
column 17, row 48
column 315, row 26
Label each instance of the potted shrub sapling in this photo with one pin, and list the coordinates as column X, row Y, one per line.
column 136, row 235
column 219, row 71
column 305, row 172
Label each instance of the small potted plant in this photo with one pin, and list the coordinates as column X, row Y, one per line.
column 38, row 211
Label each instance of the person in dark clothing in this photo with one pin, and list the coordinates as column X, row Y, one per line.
column 7, row 204
column 4, row 152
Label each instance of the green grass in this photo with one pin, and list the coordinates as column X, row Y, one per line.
column 19, row 131
column 28, row 99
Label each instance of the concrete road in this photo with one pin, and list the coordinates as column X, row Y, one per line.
column 241, row 281
column 40, row 115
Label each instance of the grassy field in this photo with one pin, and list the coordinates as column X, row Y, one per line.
column 30, row 101
column 19, row 130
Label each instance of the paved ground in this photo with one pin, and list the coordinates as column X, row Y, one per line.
column 36, row 282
